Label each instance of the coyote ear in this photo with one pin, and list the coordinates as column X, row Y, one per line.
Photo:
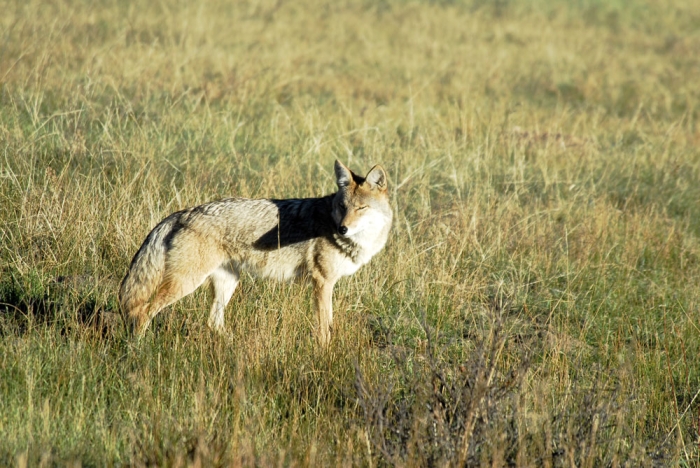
column 343, row 175
column 376, row 178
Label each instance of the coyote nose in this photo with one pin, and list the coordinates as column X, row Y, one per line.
column 342, row 230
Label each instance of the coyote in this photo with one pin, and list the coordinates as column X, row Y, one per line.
column 321, row 239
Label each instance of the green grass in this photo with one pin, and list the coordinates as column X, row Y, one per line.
column 537, row 303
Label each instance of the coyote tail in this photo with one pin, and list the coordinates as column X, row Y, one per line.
column 146, row 270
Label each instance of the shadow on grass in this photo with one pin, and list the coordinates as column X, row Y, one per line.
column 64, row 302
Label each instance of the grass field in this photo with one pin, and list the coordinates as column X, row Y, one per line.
column 538, row 301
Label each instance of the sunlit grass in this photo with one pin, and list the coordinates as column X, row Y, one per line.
column 537, row 302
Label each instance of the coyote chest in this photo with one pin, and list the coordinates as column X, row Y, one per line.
column 322, row 239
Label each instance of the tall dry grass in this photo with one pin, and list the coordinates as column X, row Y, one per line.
column 537, row 303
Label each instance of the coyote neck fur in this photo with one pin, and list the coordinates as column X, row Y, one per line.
column 347, row 247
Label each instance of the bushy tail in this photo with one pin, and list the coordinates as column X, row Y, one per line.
column 145, row 273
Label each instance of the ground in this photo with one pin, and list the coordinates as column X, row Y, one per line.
column 537, row 301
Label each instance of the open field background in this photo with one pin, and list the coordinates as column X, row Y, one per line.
column 538, row 300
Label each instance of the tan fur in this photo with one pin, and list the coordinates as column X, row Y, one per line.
column 322, row 239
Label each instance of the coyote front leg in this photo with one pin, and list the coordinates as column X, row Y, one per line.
column 323, row 295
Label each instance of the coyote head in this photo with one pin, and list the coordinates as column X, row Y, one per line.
column 361, row 203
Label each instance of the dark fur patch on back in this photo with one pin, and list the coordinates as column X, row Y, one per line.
column 300, row 220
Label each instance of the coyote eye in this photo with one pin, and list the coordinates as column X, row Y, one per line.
column 359, row 208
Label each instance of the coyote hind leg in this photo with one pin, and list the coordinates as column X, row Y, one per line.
column 223, row 283
column 136, row 318
column 169, row 291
